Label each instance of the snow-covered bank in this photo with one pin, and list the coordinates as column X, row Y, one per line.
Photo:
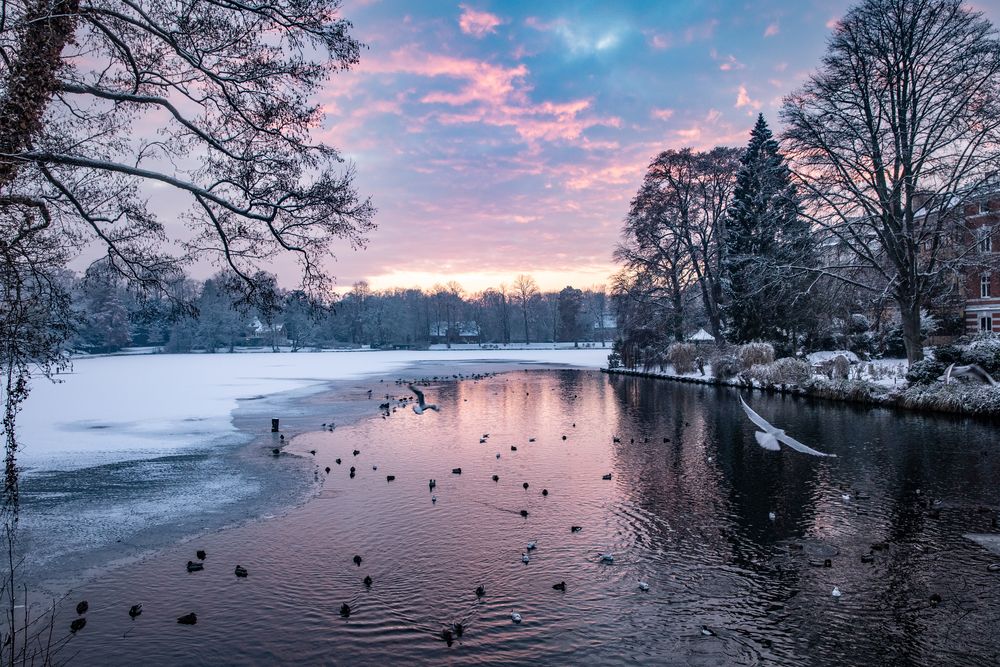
column 115, row 409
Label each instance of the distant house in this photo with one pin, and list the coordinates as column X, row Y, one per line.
column 701, row 336
column 605, row 327
column 981, row 282
column 456, row 332
column 259, row 334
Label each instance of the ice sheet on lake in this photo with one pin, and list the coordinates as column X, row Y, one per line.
column 113, row 409
column 989, row 541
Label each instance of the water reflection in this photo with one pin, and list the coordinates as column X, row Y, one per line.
column 687, row 509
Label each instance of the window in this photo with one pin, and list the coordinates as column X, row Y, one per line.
column 985, row 323
column 984, row 239
column 984, row 285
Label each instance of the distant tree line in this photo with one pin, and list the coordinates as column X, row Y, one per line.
column 211, row 316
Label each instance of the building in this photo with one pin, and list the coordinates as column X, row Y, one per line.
column 458, row 332
column 981, row 279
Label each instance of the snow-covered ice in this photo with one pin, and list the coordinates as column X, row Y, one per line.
column 115, row 409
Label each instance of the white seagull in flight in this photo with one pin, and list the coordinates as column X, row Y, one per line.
column 769, row 436
column 421, row 403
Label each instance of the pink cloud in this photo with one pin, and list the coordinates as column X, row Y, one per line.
column 743, row 99
column 772, row 29
column 661, row 114
column 476, row 23
column 729, row 63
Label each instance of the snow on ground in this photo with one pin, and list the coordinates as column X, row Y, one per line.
column 133, row 407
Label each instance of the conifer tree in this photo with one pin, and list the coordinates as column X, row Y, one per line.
column 767, row 245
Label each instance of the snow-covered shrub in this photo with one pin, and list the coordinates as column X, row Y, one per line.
column 782, row 371
column 682, row 356
column 960, row 398
column 615, row 360
column 751, row 354
column 925, row 371
column 949, row 354
column 985, row 351
column 726, row 366
column 841, row 367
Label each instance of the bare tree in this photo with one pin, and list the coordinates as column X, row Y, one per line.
column 228, row 84
column 896, row 132
column 525, row 291
column 690, row 192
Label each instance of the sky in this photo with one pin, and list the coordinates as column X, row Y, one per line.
column 499, row 138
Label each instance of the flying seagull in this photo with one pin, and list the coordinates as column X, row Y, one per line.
column 769, row 436
column 421, row 403
column 970, row 371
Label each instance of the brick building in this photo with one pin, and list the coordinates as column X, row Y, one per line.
column 981, row 288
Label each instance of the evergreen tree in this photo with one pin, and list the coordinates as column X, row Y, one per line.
column 767, row 244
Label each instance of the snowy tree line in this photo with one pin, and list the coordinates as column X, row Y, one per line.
column 853, row 233
column 211, row 316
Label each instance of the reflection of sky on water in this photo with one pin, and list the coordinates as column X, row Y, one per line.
column 689, row 515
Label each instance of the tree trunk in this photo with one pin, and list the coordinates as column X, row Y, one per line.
column 909, row 310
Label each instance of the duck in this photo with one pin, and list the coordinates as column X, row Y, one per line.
column 195, row 567
column 575, row 529
column 338, row 462
column 514, row 616
column 607, row 558
column 524, row 513
column 345, row 610
column 432, row 483
column 525, row 485
column 200, row 553
column 496, row 478
column 434, row 498
column 993, row 567
column 368, row 580
column 513, row 448
column 772, row 516
column 328, row 470
column 525, row 558
column 356, row 452
column 357, row 560
column 82, row 607
column 374, row 467
column 643, row 586
column 532, row 544
column 188, row 619
column 241, row 572
column 77, row 624
column 447, row 636
column 389, row 478
column 135, row 610
column 935, row 599
column 498, row 454
column 545, row 492
column 707, row 631
column 480, row 591
column 561, row 586
column 845, row 497
column 531, row 439
column 607, row 476
column 459, row 629
column 836, row 592
column 456, row 471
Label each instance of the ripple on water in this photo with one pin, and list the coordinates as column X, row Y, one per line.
column 689, row 516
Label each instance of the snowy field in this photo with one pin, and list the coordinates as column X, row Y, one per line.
column 134, row 407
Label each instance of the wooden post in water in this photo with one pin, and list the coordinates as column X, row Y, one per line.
column 274, row 425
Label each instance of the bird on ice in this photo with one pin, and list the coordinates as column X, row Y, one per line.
column 769, row 436
column 421, row 403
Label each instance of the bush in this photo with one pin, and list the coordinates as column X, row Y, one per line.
column 682, row 356
column 926, row 371
column 948, row 354
column 963, row 399
column 752, row 354
column 782, row 371
column 726, row 366
column 985, row 351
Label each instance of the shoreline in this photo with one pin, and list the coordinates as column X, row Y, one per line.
column 960, row 398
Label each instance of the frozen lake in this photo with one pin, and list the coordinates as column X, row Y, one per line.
column 686, row 510
column 127, row 454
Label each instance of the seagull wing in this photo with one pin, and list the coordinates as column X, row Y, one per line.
column 981, row 373
column 947, row 374
column 798, row 446
column 420, row 395
column 757, row 419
